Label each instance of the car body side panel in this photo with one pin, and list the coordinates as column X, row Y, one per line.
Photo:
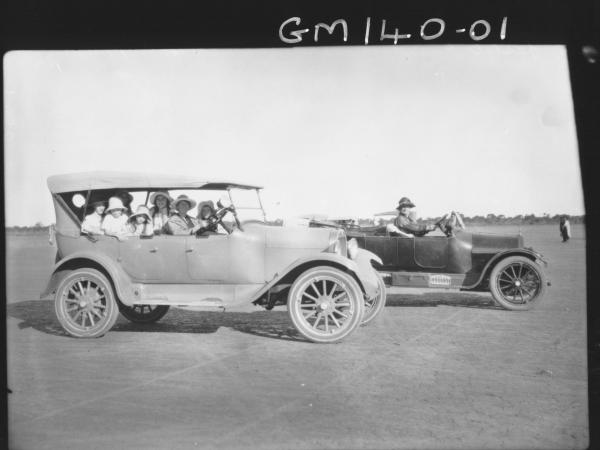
column 158, row 259
column 431, row 252
column 208, row 258
column 246, row 256
column 103, row 245
column 122, row 282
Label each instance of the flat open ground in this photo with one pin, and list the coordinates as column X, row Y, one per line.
column 436, row 370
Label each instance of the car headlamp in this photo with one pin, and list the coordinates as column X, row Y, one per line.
column 352, row 248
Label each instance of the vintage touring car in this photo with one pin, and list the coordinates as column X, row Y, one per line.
column 458, row 259
column 327, row 283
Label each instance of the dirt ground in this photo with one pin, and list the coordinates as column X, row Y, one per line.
column 435, row 370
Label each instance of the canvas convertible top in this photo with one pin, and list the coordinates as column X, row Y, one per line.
column 132, row 180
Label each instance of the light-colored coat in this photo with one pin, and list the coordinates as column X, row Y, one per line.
column 180, row 225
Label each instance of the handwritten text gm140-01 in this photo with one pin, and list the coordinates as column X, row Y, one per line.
column 290, row 33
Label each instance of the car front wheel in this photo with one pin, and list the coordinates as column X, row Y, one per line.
column 325, row 304
column 517, row 283
column 85, row 304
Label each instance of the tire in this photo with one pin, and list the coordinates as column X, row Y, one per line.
column 517, row 283
column 325, row 292
column 375, row 305
column 85, row 304
column 143, row 313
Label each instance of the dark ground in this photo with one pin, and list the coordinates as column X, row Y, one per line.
column 436, row 370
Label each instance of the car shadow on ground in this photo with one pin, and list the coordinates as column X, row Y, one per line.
column 462, row 299
column 276, row 324
column 40, row 315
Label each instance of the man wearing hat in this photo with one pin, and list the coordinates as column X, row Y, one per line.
column 180, row 222
column 404, row 223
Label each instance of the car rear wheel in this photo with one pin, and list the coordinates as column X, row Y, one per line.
column 375, row 305
column 517, row 283
column 143, row 313
column 325, row 304
column 85, row 304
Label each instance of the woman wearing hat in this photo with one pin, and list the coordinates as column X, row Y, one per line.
column 115, row 221
column 405, row 222
column 180, row 222
column 160, row 210
column 92, row 224
column 206, row 209
column 140, row 223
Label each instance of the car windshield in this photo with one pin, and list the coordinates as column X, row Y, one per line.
column 246, row 201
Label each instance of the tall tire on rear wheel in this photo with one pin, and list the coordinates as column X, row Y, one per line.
column 325, row 304
column 143, row 313
column 85, row 304
column 517, row 283
column 373, row 306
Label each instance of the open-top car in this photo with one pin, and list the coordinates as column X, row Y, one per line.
column 328, row 284
column 457, row 259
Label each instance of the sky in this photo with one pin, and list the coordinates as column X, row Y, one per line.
column 338, row 131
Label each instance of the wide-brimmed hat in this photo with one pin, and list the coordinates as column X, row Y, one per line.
column 141, row 211
column 115, row 203
column 125, row 196
column 184, row 198
column 405, row 202
column 165, row 194
column 205, row 203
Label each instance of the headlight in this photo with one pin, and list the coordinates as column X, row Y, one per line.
column 352, row 248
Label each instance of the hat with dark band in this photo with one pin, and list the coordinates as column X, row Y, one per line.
column 405, row 203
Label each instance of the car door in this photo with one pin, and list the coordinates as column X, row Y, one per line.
column 431, row 252
column 207, row 258
column 157, row 259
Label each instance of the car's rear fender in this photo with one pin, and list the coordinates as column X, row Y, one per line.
column 531, row 254
column 360, row 268
column 120, row 280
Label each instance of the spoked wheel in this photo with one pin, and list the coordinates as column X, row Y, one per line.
column 517, row 283
column 373, row 306
column 85, row 304
column 325, row 304
column 143, row 313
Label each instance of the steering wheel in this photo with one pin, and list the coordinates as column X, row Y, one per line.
column 449, row 222
column 217, row 218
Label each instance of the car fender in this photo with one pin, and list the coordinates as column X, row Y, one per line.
column 532, row 254
column 121, row 281
column 360, row 267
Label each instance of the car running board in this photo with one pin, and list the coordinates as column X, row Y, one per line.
column 424, row 280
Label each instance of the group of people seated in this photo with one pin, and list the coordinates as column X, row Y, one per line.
column 165, row 216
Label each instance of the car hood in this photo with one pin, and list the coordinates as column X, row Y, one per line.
column 496, row 241
column 301, row 237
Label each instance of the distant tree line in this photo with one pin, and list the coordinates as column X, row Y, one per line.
column 495, row 219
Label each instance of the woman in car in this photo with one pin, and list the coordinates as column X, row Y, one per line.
column 206, row 209
column 140, row 223
column 160, row 210
column 115, row 221
column 180, row 222
column 92, row 224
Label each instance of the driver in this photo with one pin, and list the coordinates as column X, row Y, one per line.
column 405, row 223
column 206, row 218
column 180, row 222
